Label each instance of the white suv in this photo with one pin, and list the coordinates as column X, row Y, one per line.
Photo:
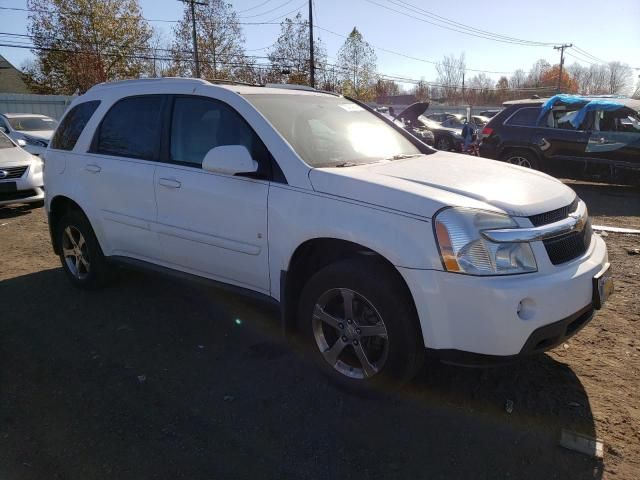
column 377, row 248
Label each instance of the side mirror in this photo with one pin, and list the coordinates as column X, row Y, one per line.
column 21, row 142
column 230, row 160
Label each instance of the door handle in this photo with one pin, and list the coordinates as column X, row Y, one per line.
column 169, row 182
column 93, row 168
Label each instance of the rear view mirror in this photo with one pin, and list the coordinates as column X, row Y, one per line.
column 230, row 160
column 3, row 129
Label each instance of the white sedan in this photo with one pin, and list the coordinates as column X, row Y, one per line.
column 20, row 174
column 34, row 129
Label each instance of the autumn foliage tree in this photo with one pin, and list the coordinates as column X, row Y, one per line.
column 79, row 43
column 549, row 79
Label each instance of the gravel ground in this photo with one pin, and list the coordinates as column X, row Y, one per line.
column 154, row 378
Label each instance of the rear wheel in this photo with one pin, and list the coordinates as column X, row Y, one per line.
column 80, row 253
column 360, row 324
column 521, row 158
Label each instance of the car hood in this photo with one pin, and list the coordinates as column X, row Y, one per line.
column 422, row 185
column 37, row 134
column 10, row 157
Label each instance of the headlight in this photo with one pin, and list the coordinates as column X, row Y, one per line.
column 464, row 250
column 37, row 166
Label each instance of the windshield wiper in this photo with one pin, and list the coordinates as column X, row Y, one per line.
column 344, row 164
column 402, row 156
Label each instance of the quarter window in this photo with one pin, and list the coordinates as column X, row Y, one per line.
column 525, row 117
column 199, row 124
column 132, row 128
column 69, row 130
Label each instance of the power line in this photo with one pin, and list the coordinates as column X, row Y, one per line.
column 254, row 7
column 446, row 20
column 287, row 2
column 460, row 30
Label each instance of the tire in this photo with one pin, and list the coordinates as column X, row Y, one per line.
column 521, row 158
column 443, row 143
column 80, row 253
column 383, row 325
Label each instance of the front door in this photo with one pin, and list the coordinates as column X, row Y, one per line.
column 209, row 223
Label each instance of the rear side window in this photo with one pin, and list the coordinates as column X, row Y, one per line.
column 69, row 130
column 199, row 124
column 525, row 117
column 132, row 128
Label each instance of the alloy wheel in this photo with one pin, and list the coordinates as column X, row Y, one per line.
column 521, row 161
column 75, row 252
column 350, row 333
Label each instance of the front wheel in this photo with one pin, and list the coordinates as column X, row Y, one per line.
column 360, row 324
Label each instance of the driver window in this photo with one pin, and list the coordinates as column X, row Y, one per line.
column 199, row 124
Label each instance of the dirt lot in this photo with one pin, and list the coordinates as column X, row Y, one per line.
column 152, row 378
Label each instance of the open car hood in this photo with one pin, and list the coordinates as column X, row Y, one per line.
column 413, row 111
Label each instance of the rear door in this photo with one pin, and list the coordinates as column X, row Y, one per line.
column 118, row 174
column 210, row 223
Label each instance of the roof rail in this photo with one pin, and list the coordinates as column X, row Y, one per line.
column 234, row 82
column 305, row 88
column 135, row 81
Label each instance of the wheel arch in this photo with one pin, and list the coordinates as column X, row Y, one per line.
column 316, row 253
column 58, row 207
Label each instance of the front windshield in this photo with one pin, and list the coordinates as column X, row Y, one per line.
column 32, row 124
column 329, row 131
column 5, row 142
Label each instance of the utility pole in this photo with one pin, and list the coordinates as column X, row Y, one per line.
column 463, row 87
column 312, row 63
column 561, row 48
column 192, row 4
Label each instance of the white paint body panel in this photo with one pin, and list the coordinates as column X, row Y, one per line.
column 245, row 232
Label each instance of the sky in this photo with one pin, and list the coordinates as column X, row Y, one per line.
column 611, row 33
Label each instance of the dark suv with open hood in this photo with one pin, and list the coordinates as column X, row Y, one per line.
column 596, row 138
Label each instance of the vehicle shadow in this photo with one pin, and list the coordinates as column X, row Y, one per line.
column 15, row 211
column 154, row 378
column 608, row 200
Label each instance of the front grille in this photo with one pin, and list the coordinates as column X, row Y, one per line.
column 13, row 172
column 19, row 195
column 567, row 247
column 553, row 215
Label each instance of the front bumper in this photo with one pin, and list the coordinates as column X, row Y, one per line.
column 29, row 188
column 499, row 316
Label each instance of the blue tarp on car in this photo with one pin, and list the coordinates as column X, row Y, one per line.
column 605, row 105
column 560, row 98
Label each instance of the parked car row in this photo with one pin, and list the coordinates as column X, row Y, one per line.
column 377, row 248
column 570, row 136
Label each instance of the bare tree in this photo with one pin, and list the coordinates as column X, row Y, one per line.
column 518, row 79
column 158, row 61
column 421, row 90
column 357, row 63
column 599, row 78
column 537, row 73
column 220, row 42
column 619, row 77
column 450, row 73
